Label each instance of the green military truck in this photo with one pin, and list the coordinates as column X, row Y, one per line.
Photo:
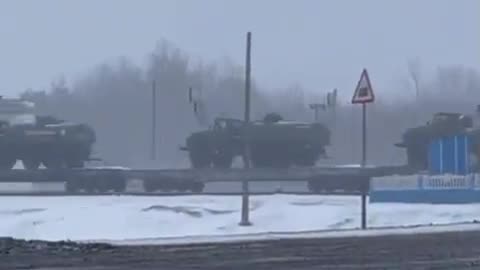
column 273, row 142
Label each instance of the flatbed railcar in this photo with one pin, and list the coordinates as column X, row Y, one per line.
column 320, row 179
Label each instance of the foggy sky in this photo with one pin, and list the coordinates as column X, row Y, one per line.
column 320, row 44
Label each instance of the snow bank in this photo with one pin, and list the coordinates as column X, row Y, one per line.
column 127, row 217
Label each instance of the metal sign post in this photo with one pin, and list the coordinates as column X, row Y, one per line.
column 364, row 135
column 246, row 160
column 364, row 94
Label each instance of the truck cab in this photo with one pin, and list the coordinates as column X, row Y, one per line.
column 229, row 126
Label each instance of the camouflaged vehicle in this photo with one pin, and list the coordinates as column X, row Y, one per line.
column 37, row 140
column 416, row 140
column 273, row 142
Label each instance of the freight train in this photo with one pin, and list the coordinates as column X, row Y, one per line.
column 273, row 143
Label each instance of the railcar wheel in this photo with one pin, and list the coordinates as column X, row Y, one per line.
column 182, row 187
column 313, row 187
column 149, row 186
column 89, row 184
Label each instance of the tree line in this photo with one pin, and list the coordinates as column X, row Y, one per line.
column 115, row 99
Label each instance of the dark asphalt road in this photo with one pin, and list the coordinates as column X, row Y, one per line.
column 448, row 250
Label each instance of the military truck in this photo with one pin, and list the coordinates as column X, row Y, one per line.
column 416, row 140
column 273, row 142
column 36, row 139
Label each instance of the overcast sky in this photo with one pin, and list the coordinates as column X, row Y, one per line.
column 320, row 44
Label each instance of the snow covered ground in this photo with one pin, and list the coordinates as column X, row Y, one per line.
column 129, row 217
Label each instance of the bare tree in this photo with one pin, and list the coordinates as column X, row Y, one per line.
column 115, row 98
column 414, row 71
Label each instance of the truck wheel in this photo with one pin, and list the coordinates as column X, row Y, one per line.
column 199, row 151
column 120, row 185
column 417, row 157
column 7, row 163
column 53, row 163
column 72, row 185
column 305, row 161
column 75, row 163
column 198, row 187
column 90, row 185
column 31, row 163
column 257, row 157
column 223, row 159
column 182, row 187
column 102, row 185
column 199, row 157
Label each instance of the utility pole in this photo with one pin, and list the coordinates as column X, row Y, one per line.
column 316, row 107
column 246, row 160
column 332, row 105
column 154, row 121
column 192, row 100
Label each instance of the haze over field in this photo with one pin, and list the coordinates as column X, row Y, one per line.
column 109, row 52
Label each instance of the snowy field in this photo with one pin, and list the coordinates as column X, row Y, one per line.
column 128, row 218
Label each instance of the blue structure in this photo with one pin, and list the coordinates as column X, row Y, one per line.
column 449, row 178
column 445, row 188
column 449, row 155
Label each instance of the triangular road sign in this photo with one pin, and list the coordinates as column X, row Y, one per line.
column 363, row 92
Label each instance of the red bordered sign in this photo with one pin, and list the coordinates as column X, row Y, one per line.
column 364, row 92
